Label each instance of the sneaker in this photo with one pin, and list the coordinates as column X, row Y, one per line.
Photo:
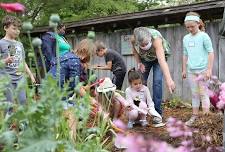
column 191, row 121
column 130, row 125
column 157, row 120
column 144, row 123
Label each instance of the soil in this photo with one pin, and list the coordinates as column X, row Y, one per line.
column 211, row 125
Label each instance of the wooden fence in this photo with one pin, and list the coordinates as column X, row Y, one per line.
column 174, row 35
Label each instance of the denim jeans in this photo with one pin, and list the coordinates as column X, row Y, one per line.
column 118, row 78
column 157, row 82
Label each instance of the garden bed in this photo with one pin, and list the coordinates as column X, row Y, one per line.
column 211, row 125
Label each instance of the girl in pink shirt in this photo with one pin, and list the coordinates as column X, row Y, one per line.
column 140, row 101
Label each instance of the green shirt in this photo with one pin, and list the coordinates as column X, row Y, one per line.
column 63, row 45
column 196, row 48
column 150, row 55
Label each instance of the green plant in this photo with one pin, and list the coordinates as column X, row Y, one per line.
column 42, row 125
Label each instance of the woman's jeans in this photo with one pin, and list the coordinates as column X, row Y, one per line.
column 157, row 82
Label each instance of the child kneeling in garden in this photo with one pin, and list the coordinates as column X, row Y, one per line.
column 140, row 101
column 110, row 100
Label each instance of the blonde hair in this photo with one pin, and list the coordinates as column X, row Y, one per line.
column 85, row 49
column 201, row 23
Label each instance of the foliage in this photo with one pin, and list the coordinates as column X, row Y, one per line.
column 38, row 11
column 49, row 124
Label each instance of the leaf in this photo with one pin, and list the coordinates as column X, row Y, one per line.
column 8, row 138
column 42, row 145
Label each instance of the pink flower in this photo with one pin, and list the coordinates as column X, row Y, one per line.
column 206, row 138
column 214, row 99
column 171, row 120
column 176, row 134
column 211, row 93
column 220, row 105
column 119, row 124
column 12, row 7
column 222, row 87
column 214, row 77
column 187, row 143
column 199, row 78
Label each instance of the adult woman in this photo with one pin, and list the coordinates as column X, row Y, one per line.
column 150, row 50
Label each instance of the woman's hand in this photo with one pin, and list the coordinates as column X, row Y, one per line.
column 141, row 67
column 171, row 85
column 132, row 40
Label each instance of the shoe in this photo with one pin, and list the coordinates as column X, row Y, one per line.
column 157, row 120
column 191, row 121
column 159, row 125
column 130, row 125
column 144, row 123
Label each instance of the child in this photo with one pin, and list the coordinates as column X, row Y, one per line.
column 111, row 101
column 114, row 62
column 198, row 57
column 138, row 95
column 13, row 56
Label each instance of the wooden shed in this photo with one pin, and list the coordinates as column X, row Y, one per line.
column 115, row 32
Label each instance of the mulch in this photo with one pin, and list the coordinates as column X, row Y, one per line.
column 211, row 125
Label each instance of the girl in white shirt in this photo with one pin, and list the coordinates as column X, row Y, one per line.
column 139, row 98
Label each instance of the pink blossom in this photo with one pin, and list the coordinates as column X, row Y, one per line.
column 176, row 134
column 222, row 87
column 214, row 77
column 187, row 143
column 214, row 99
column 187, row 133
column 220, row 105
column 171, row 120
column 206, row 138
column 118, row 123
column 199, row 78
column 210, row 93
column 12, row 7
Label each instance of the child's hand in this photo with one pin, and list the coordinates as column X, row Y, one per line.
column 9, row 59
column 184, row 74
column 128, row 108
column 208, row 74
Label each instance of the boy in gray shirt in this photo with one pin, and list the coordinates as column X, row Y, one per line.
column 13, row 57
